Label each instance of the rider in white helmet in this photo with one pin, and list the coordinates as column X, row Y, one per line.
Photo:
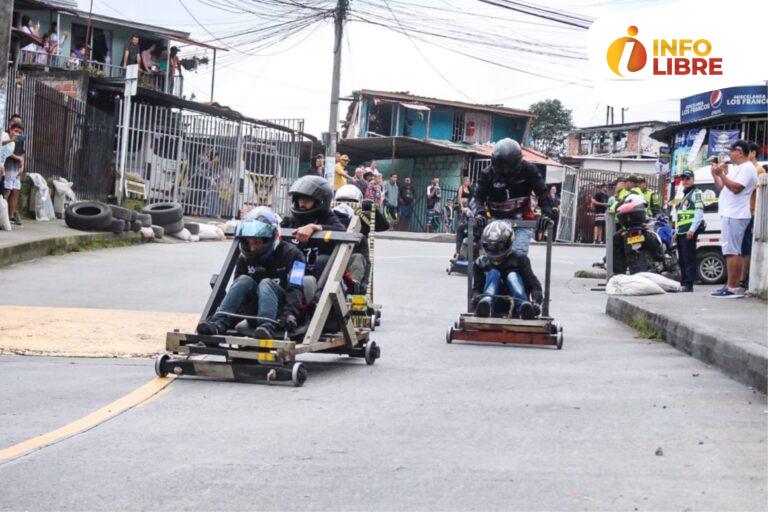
column 348, row 200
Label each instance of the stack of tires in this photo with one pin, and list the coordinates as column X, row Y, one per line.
column 96, row 216
column 167, row 218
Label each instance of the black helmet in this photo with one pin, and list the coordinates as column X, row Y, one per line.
column 496, row 242
column 506, row 158
column 313, row 187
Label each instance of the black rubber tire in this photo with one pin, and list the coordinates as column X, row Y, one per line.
column 159, row 361
column 88, row 216
column 159, row 231
column 145, row 219
column 192, row 227
column 448, row 335
column 174, row 227
column 164, row 214
column 711, row 267
column 136, row 225
column 118, row 212
column 117, row 226
column 372, row 352
column 134, row 215
column 298, row 374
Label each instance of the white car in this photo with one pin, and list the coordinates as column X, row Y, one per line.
column 711, row 267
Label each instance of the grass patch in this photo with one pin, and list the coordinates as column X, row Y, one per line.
column 581, row 273
column 644, row 330
column 94, row 245
column 134, row 204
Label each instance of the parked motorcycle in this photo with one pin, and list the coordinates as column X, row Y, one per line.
column 636, row 246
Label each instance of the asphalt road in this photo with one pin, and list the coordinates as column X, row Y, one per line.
column 429, row 426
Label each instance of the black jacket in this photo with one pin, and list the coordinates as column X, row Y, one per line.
column 329, row 222
column 515, row 262
column 493, row 189
column 362, row 246
column 277, row 266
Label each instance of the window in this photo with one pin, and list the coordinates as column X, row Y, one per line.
column 380, row 119
column 585, row 145
column 457, row 133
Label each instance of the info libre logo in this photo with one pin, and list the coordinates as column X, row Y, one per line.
column 671, row 57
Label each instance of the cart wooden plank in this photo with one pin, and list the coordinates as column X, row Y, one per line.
column 503, row 337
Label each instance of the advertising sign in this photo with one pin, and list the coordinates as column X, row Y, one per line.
column 730, row 101
column 720, row 141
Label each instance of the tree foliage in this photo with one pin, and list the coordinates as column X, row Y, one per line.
column 550, row 127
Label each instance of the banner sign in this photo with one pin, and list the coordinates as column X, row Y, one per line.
column 720, row 141
column 722, row 102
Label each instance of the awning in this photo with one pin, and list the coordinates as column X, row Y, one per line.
column 415, row 106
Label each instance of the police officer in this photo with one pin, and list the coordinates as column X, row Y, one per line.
column 652, row 199
column 631, row 186
column 504, row 190
column 689, row 216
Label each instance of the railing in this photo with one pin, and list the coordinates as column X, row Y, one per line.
column 161, row 82
column 761, row 209
column 51, row 60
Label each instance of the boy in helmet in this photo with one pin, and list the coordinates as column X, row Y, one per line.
column 311, row 198
column 268, row 279
column 500, row 270
column 504, row 190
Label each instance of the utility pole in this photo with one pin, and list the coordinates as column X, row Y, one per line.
column 6, row 15
column 339, row 15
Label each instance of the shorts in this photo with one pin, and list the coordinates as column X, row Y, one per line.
column 12, row 181
column 599, row 219
column 746, row 244
column 733, row 235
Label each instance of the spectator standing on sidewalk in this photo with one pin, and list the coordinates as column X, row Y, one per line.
column 407, row 195
column 448, row 215
column 12, row 168
column 555, row 198
column 317, row 169
column 600, row 205
column 465, row 190
column 433, row 206
column 372, row 192
column 688, row 220
column 746, row 246
column 735, row 184
column 391, row 195
column 340, row 175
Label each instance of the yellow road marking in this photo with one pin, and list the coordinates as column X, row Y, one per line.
column 134, row 398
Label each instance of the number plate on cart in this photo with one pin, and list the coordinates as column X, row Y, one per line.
column 636, row 239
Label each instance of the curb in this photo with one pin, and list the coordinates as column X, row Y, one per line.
column 741, row 361
column 448, row 238
column 45, row 247
column 591, row 274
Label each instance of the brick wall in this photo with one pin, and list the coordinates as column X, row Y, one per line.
column 72, row 83
column 632, row 141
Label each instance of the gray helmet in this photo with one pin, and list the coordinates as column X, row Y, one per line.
column 506, row 157
column 313, row 187
column 496, row 241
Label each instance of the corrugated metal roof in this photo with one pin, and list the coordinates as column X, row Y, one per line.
column 406, row 96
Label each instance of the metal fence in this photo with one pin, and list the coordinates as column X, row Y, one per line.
column 66, row 138
column 211, row 165
column 424, row 220
column 52, row 60
column 477, row 165
column 577, row 217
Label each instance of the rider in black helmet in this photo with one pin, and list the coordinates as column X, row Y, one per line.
column 311, row 198
column 504, row 190
column 500, row 270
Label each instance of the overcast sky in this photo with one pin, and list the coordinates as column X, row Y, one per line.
column 296, row 82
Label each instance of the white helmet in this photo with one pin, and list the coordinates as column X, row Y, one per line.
column 349, row 193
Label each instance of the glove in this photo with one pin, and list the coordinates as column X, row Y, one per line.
column 480, row 221
column 289, row 323
column 543, row 222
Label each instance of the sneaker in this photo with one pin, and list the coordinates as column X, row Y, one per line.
column 483, row 308
column 17, row 220
column 687, row 288
column 735, row 293
column 263, row 333
column 207, row 328
column 527, row 311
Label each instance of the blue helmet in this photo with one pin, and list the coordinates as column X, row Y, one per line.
column 261, row 222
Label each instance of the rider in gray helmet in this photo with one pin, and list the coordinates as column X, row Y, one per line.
column 500, row 270
column 504, row 191
column 311, row 198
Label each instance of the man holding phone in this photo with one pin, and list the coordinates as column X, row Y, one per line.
column 12, row 151
column 735, row 183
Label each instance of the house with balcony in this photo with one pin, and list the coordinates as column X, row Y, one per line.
column 626, row 147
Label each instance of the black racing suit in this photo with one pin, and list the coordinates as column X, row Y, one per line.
column 277, row 265
column 509, row 198
column 316, row 252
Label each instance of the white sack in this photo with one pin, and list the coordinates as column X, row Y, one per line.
column 184, row 234
column 632, row 285
column 667, row 284
column 5, row 221
column 42, row 200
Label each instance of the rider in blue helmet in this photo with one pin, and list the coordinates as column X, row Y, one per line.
column 268, row 279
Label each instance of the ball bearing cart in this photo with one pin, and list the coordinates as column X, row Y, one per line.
column 238, row 356
column 542, row 331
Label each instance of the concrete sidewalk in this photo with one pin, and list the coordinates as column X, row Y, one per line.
column 37, row 239
column 731, row 334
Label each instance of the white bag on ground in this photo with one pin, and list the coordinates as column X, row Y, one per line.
column 184, row 234
column 667, row 284
column 147, row 233
column 210, row 232
column 62, row 196
column 42, row 198
column 632, row 285
column 5, row 222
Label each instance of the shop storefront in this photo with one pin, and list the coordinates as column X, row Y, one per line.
column 711, row 121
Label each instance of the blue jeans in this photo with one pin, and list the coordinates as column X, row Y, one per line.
column 511, row 285
column 246, row 297
column 522, row 240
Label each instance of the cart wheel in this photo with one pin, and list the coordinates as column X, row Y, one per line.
column 373, row 322
column 449, row 335
column 559, row 337
column 448, row 270
column 372, row 352
column 378, row 317
column 159, row 361
column 298, row 374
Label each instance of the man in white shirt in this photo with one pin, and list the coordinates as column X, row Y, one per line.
column 735, row 184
